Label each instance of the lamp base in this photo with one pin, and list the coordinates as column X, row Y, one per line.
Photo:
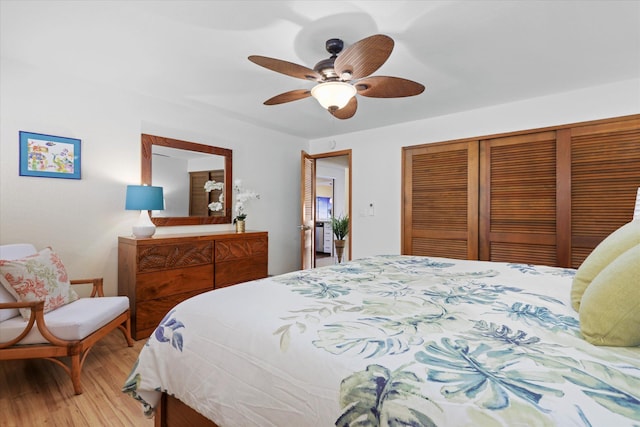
column 144, row 228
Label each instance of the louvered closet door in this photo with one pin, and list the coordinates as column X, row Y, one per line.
column 440, row 200
column 518, row 198
column 605, row 176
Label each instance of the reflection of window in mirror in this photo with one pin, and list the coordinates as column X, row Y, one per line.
column 182, row 174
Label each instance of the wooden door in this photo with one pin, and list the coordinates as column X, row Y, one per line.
column 198, row 198
column 605, row 177
column 307, row 211
column 440, row 200
column 518, row 199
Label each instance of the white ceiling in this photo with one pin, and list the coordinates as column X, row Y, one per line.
column 468, row 54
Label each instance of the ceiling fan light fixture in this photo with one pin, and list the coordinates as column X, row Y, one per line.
column 333, row 95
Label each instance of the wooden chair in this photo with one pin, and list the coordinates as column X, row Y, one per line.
column 68, row 331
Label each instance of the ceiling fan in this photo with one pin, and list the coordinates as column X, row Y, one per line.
column 341, row 77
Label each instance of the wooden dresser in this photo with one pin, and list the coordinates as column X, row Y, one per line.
column 159, row 272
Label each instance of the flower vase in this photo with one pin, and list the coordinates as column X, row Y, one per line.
column 240, row 226
column 339, row 249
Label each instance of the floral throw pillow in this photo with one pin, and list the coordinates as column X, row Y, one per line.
column 38, row 277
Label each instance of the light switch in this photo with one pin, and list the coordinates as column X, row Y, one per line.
column 371, row 209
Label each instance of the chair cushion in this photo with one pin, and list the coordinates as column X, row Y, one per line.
column 610, row 308
column 614, row 245
column 38, row 277
column 73, row 321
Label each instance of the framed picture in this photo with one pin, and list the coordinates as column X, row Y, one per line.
column 49, row 156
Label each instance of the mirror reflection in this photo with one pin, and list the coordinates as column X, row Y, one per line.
column 182, row 175
column 182, row 168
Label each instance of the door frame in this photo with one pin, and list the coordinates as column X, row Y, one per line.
column 349, row 188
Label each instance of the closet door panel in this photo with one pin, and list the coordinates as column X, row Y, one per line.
column 440, row 206
column 518, row 198
column 605, row 176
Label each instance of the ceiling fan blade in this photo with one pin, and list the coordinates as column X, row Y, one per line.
column 347, row 111
column 363, row 58
column 285, row 67
column 388, row 87
column 292, row 95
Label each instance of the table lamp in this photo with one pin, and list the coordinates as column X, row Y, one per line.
column 144, row 198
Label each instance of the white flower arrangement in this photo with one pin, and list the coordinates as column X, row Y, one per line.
column 213, row 185
column 242, row 197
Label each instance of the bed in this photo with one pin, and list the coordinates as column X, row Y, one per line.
column 389, row 340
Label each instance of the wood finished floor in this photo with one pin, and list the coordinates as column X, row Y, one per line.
column 39, row 393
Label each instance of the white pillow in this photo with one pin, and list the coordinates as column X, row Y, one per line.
column 38, row 277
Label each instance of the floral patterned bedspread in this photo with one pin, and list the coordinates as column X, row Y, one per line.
column 390, row 340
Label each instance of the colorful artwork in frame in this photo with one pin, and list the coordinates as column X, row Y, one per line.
column 49, row 156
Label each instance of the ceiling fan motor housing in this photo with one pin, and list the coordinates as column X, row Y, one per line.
column 326, row 66
column 334, row 46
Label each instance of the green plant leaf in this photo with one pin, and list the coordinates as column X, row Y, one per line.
column 340, row 226
column 378, row 396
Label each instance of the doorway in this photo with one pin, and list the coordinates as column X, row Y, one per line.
column 326, row 192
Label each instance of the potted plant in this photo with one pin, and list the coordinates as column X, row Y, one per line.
column 242, row 197
column 340, row 228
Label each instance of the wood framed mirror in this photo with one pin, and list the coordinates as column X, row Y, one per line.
column 182, row 168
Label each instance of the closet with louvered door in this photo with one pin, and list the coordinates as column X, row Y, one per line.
column 518, row 198
column 440, row 213
column 546, row 196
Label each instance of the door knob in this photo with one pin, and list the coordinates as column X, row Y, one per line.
column 304, row 227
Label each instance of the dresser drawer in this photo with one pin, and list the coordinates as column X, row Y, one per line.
column 240, row 260
column 233, row 249
column 163, row 257
column 169, row 282
column 241, row 270
column 150, row 313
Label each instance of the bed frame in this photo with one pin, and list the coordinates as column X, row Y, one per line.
column 171, row 412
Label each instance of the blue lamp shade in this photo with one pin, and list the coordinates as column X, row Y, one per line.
column 144, row 198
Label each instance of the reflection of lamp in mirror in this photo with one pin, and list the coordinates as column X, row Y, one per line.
column 144, row 198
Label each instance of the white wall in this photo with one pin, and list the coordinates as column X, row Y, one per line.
column 377, row 153
column 82, row 219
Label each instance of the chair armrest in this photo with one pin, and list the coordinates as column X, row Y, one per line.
column 97, row 285
column 37, row 317
column 34, row 306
